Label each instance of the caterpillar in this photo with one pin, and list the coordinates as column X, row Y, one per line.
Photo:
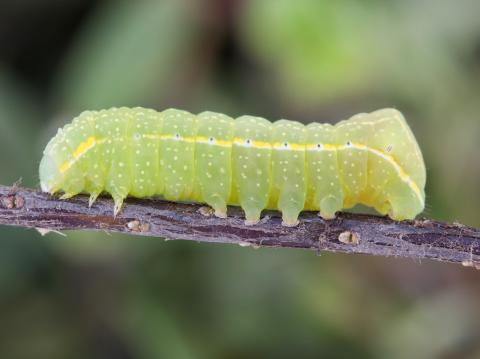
column 372, row 159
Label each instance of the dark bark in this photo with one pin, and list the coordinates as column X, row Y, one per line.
column 349, row 233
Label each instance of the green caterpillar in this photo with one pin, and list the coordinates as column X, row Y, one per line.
column 210, row 158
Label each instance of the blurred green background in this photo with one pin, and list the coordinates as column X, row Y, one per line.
column 93, row 295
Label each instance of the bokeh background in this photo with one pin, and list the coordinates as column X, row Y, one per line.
column 94, row 295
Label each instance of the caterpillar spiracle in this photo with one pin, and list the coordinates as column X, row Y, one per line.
column 372, row 159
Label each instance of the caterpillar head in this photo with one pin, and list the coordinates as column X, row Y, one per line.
column 50, row 175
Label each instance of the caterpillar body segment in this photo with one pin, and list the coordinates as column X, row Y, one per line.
column 252, row 166
column 289, row 185
column 326, row 190
column 145, row 149
column 211, row 158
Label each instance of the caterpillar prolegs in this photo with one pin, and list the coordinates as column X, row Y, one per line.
column 211, row 158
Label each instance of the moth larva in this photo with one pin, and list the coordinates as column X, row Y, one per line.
column 210, row 158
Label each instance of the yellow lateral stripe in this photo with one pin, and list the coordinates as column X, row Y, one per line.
column 64, row 167
column 252, row 143
column 401, row 173
column 90, row 142
column 81, row 149
column 84, row 147
column 207, row 141
column 324, row 147
column 289, row 146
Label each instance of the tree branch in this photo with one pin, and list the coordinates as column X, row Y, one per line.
column 349, row 233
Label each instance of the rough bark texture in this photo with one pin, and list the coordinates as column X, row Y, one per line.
column 349, row 233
